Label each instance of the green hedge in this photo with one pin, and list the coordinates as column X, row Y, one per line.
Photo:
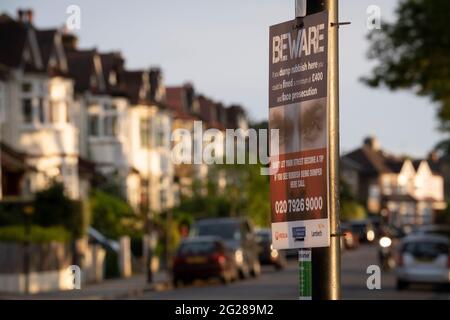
column 38, row 234
column 51, row 207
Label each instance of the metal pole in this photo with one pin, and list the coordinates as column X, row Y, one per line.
column 326, row 262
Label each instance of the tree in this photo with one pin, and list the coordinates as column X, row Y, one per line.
column 351, row 209
column 414, row 52
column 246, row 194
column 112, row 216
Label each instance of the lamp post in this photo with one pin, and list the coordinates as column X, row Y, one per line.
column 326, row 282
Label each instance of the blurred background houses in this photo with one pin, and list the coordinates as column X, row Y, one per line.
column 79, row 118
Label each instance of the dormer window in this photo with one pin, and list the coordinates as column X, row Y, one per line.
column 112, row 78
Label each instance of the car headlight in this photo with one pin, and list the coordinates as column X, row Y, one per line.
column 370, row 235
column 385, row 242
column 274, row 253
column 239, row 256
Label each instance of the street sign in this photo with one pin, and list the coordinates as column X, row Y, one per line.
column 298, row 108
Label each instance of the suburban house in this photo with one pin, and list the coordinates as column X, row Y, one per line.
column 37, row 94
column 184, row 104
column 150, row 123
column 409, row 191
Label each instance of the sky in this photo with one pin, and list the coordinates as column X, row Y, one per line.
column 222, row 47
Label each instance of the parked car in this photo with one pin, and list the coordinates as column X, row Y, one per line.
column 267, row 254
column 363, row 229
column 443, row 230
column 203, row 258
column 423, row 258
column 239, row 237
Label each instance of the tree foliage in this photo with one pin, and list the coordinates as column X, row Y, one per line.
column 414, row 52
column 245, row 194
column 112, row 216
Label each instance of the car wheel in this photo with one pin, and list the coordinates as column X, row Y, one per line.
column 401, row 285
column 279, row 266
column 177, row 283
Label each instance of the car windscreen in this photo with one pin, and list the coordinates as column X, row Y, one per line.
column 227, row 231
column 264, row 237
column 198, row 248
column 425, row 249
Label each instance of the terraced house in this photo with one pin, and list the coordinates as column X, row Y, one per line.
column 410, row 191
column 37, row 97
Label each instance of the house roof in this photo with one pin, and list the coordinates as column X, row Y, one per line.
column 233, row 112
column 133, row 82
column 82, row 67
column 51, row 46
column 13, row 36
column 176, row 101
column 175, row 98
column 46, row 39
column 113, row 62
column 374, row 161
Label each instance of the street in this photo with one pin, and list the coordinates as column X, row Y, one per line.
column 282, row 285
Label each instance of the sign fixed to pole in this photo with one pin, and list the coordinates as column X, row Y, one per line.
column 298, row 108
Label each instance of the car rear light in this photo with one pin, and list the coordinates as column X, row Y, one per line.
column 178, row 261
column 218, row 257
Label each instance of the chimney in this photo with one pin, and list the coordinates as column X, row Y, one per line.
column 433, row 156
column 155, row 83
column 190, row 96
column 70, row 41
column 372, row 143
column 25, row 16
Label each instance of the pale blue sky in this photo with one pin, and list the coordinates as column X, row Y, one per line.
column 222, row 47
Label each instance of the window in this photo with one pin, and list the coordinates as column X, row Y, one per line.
column 160, row 134
column 27, row 111
column 27, row 87
column 110, row 125
column 41, row 111
column 145, row 133
column 93, row 125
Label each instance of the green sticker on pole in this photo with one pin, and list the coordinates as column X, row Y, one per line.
column 305, row 274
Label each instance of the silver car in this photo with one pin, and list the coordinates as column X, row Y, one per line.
column 423, row 258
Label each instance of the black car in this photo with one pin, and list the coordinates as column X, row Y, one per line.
column 239, row 237
column 267, row 254
column 363, row 229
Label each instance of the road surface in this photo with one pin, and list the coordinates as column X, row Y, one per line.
column 282, row 285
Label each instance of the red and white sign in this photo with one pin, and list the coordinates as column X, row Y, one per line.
column 298, row 108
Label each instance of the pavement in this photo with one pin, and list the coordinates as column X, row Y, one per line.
column 270, row 285
column 110, row 289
